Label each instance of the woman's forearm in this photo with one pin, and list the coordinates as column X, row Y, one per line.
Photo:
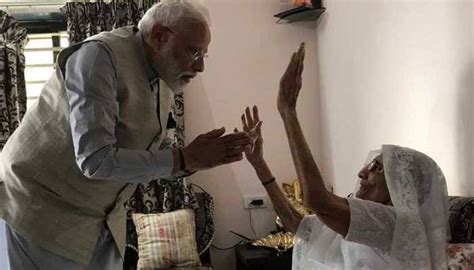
column 289, row 216
column 332, row 210
column 312, row 185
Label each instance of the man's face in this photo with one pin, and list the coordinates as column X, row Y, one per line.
column 181, row 53
column 372, row 182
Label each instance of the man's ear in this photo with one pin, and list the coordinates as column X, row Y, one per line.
column 159, row 35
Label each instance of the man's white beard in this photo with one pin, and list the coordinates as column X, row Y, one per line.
column 173, row 84
column 176, row 87
column 171, row 76
column 169, row 71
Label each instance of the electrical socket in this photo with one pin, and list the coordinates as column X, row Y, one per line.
column 256, row 199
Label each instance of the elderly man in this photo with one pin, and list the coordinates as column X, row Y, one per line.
column 95, row 132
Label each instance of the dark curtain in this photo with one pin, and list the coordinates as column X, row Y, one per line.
column 85, row 19
column 13, row 40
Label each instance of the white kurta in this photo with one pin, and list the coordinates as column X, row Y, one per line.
column 319, row 247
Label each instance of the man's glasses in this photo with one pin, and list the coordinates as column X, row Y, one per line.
column 194, row 53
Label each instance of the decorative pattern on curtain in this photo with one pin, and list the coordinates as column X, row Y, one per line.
column 85, row 19
column 13, row 40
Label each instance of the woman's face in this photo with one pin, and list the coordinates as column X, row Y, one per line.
column 372, row 185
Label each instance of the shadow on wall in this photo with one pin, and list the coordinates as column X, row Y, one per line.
column 465, row 126
column 327, row 167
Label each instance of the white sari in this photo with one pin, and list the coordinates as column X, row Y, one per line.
column 411, row 234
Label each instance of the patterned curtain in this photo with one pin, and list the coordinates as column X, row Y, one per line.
column 13, row 40
column 85, row 19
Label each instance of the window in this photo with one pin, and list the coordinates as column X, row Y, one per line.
column 40, row 56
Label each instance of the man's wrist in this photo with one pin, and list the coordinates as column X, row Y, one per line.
column 185, row 164
column 180, row 164
column 176, row 161
column 184, row 156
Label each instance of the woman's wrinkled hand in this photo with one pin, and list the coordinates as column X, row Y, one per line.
column 291, row 81
column 252, row 125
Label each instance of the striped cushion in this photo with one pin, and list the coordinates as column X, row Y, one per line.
column 166, row 240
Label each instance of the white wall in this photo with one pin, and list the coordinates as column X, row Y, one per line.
column 376, row 72
column 397, row 72
column 248, row 54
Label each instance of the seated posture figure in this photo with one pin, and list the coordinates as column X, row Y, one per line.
column 396, row 220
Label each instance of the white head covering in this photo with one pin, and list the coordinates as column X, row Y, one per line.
column 418, row 222
column 419, row 195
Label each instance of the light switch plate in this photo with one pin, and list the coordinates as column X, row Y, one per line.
column 248, row 199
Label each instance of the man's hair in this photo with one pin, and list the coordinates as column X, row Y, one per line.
column 172, row 13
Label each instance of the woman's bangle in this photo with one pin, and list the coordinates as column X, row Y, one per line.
column 269, row 181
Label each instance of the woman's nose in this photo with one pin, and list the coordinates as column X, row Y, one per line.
column 363, row 174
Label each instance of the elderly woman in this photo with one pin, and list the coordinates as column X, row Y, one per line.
column 397, row 219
